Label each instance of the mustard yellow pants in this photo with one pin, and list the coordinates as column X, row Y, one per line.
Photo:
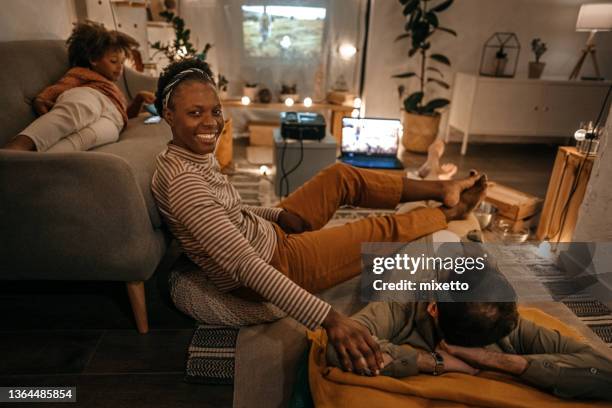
column 322, row 258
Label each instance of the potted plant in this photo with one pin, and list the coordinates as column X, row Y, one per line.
column 250, row 90
column 181, row 47
column 222, row 84
column 536, row 68
column 289, row 91
column 422, row 119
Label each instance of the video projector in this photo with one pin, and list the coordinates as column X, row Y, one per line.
column 302, row 125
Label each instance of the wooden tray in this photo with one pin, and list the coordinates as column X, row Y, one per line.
column 511, row 203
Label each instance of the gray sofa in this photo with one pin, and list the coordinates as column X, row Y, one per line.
column 82, row 215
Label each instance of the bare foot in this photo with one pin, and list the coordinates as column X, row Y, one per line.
column 470, row 198
column 447, row 171
column 22, row 143
column 451, row 190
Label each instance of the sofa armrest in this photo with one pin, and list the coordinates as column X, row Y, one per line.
column 74, row 216
column 136, row 82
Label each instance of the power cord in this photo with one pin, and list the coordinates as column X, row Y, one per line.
column 284, row 181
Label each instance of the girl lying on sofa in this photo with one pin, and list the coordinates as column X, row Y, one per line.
column 85, row 108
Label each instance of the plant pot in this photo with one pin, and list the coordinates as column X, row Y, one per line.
column 251, row 92
column 500, row 66
column 536, row 69
column 419, row 131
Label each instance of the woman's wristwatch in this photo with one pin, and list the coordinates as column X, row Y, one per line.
column 439, row 363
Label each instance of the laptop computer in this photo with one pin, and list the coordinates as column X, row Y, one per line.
column 371, row 143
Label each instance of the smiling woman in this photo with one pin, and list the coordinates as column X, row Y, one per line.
column 281, row 254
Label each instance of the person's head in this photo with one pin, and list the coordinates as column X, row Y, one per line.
column 474, row 324
column 188, row 100
column 92, row 46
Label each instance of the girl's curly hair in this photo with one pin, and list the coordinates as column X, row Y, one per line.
column 174, row 69
column 90, row 41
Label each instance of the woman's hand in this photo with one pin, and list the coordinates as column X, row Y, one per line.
column 42, row 106
column 291, row 223
column 356, row 348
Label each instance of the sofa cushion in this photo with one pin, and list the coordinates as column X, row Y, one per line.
column 27, row 68
column 139, row 145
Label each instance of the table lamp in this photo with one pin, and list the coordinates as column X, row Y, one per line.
column 592, row 18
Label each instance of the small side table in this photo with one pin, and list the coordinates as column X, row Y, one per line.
column 560, row 211
column 315, row 154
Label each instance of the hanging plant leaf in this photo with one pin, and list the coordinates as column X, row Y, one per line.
column 439, row 82
column 442, row 6
column 401, row 36
column 434, row 104
column 432, row 18
column 405, row 75
column 412, row 102
column 414, row 17
column 420, row 32
column 434, row 69
column 440, row 58
column 448, row 30
column 413, row 51
column 410, row 7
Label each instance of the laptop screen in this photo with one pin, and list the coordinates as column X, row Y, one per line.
column 370, row 136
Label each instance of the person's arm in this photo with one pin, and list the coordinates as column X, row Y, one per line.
column 267, row 213
column 548, row 360
column 141, row 98
column 384, row 320
column 194, row 206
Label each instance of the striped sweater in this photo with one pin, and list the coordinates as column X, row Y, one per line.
column 232, row 243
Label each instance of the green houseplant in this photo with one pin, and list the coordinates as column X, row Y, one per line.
column 181, row 47
column 422, row 116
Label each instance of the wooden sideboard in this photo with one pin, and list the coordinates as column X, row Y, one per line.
column 522, row 107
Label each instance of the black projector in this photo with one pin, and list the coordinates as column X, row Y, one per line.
column 302, row 125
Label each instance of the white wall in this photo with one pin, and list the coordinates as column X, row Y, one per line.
column 36, row 20
column 553, row 21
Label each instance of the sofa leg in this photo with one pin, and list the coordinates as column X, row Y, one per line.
column 136, row 293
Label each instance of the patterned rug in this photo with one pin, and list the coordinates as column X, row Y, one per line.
column 210, row 357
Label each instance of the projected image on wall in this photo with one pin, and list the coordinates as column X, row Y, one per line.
column 283, row 31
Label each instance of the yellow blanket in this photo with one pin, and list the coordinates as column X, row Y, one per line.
column 331, row 387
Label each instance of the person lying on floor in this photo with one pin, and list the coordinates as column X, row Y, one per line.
column 282, row 254
column 85, row 108
column 463, row 337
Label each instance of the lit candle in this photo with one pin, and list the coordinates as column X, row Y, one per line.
column 289, row 102
column 245, row 100
column 307, row 102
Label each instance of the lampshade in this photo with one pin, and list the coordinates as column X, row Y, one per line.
column 596, row 17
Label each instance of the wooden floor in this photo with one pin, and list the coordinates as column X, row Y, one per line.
column 81, row 334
